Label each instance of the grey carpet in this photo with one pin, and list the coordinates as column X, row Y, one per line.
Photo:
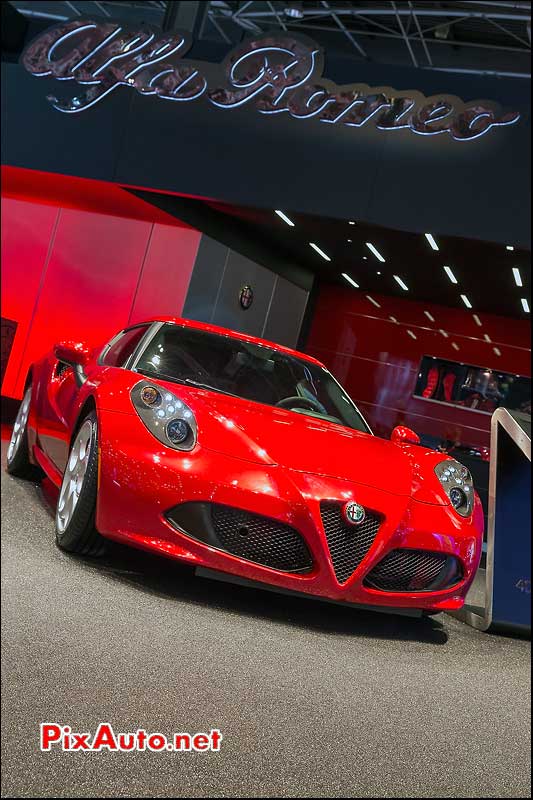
column 312, row 699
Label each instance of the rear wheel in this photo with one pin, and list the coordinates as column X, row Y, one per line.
column 76, row 507
column 18, row 454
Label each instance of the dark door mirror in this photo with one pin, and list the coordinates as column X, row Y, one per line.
column 403, row 435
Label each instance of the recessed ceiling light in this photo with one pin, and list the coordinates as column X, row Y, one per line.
column 443, row 333
column 351, row 222
column 401, row 283
column 319, row 251
column 477, row 320
column 455, row 346
column 432, row 242
column 411, row 334
column 349, row 240
column 350, row 280
column 497, row 351
column 429, row 316
column 450, row 274
column 375, row 251
column 378, row 273
column 509, row 247
column 466, row 301
column 284, row 217
column 525, row 304
column 374, row 302
column 487, row 338
column 517, row 277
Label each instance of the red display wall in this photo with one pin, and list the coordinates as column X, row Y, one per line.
column 375, row 352
column 71, row 272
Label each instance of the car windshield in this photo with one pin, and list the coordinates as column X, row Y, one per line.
column 254, row 372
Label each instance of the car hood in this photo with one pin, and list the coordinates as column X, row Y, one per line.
column 271, row 436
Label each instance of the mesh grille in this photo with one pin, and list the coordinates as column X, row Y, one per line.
column 348, row 544
column 260, row 539
column 414, row 571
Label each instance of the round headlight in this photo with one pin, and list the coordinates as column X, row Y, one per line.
column 177, row 430
column 150, row 396
column 458, row 497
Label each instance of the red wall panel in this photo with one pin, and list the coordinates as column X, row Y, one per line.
column 27, row 231
column 89, row 283
column 166, row 272
column 73, row 273
column 375, row 348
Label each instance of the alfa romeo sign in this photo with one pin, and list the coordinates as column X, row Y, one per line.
column 275, row 74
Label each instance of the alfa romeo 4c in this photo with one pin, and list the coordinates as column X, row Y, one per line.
column 246, row 459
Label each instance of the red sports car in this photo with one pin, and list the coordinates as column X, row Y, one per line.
column 244, row 459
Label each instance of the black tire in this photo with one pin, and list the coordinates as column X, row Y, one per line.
column 79, row 534
column 18, row 453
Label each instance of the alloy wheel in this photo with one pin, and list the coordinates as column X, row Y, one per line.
column 19, row 428
column 74, row 476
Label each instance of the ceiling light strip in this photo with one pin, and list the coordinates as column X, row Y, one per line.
column 450, row 274
column 401, row 283
column 319, row 251
column 375, row 251
column 350, row 280
column 284, row 217
column 432, row 242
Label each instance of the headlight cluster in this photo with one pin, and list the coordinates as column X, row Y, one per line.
column 457, row 482
column 165, row 415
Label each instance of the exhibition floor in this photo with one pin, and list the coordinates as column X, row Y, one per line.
column 311, row 699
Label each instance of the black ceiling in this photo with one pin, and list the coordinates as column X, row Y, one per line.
column 483, row 270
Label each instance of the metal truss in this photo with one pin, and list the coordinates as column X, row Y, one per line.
column 430, row 32
column 502, row 27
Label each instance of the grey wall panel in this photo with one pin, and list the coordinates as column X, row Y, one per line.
column 206, row 279
column 213, row 296
column 228, row 312
column 284, row 319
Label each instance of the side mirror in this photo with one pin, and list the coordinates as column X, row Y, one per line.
column 76, row 355
column 403, row 435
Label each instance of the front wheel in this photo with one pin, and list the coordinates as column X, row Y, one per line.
column 76, row 507
column 18, row 455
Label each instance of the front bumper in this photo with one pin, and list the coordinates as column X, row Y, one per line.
column 140, row 480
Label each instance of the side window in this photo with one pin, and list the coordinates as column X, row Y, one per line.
column 123, row 347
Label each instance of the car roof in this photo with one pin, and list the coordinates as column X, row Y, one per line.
column 204, row 326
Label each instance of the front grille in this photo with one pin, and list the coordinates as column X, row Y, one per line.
column 414, row 571
column 348, row 544
column 260, row 539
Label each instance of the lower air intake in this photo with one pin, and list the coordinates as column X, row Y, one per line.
column 414, row 571
column 256, row 538
column 260, row 539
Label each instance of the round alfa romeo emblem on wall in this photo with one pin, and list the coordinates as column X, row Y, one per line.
column 246, row 297
column 354, row 513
